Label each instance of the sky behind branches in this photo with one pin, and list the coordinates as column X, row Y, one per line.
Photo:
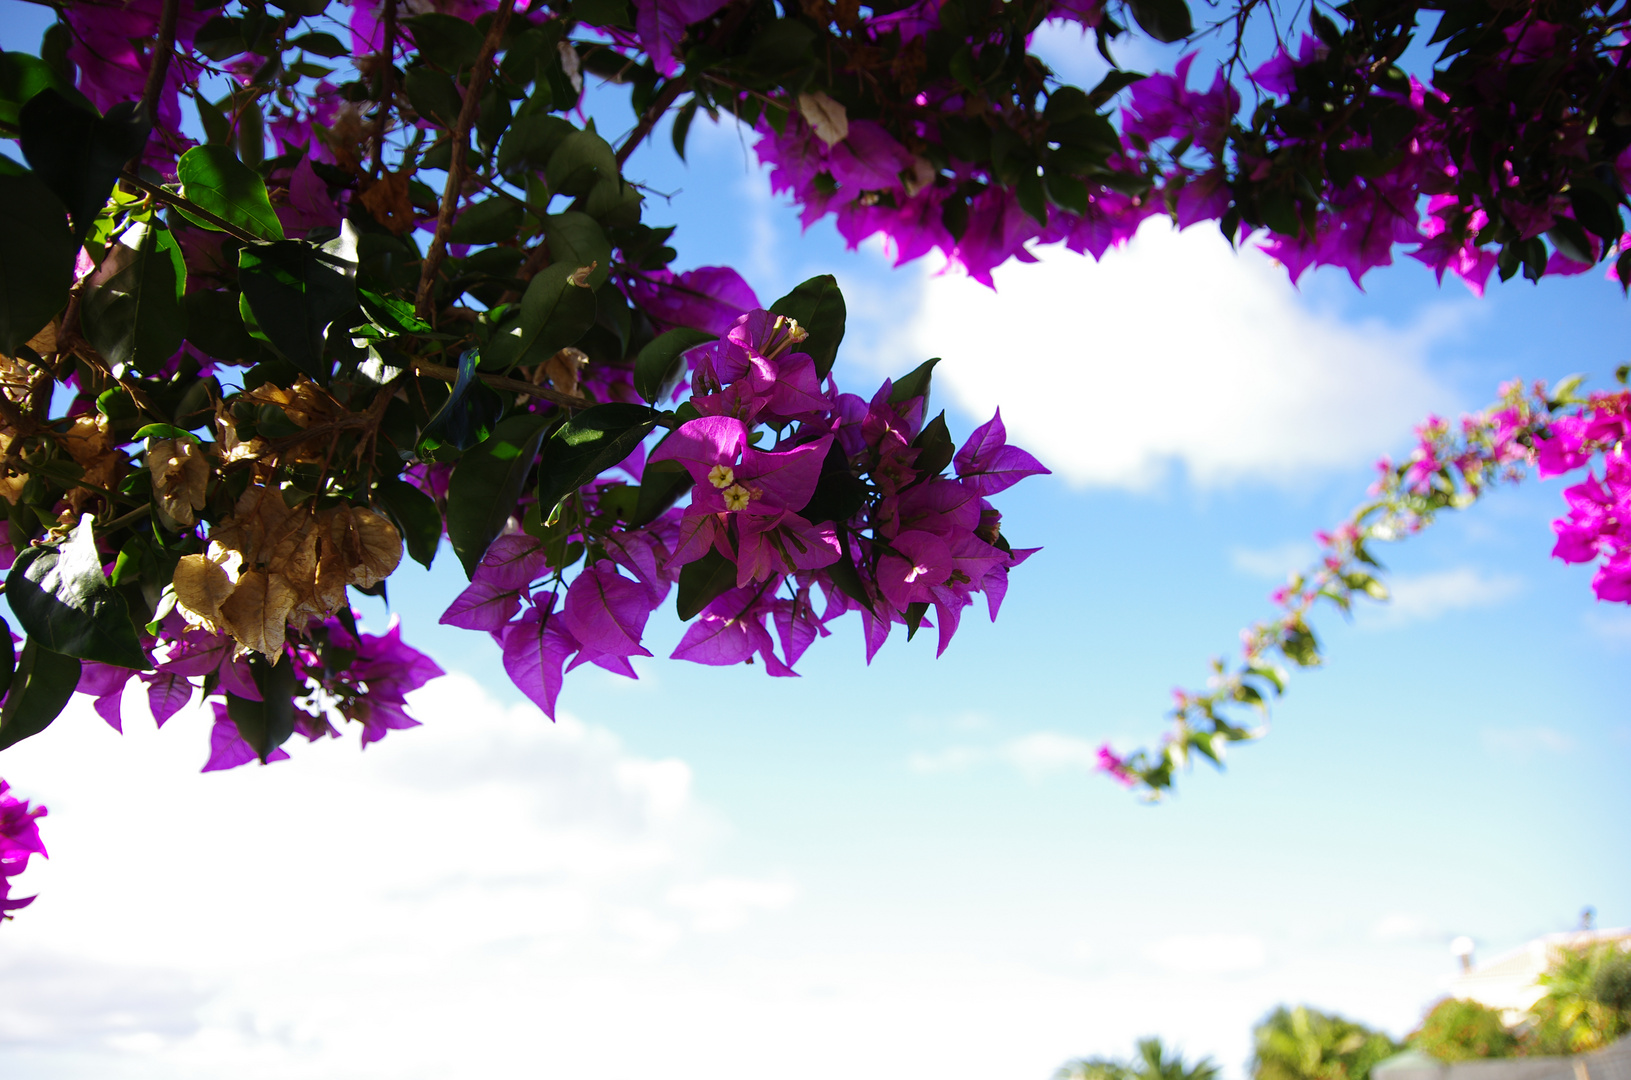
column 909, row 869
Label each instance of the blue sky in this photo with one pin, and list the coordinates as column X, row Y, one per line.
column 908, row 869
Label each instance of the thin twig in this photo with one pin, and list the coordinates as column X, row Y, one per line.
column 503, row 382
column 672, row 89
column 193, row 209
column 457, row 165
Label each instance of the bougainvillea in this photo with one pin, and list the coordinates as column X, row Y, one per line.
column 1548, row 431
column 396, row 290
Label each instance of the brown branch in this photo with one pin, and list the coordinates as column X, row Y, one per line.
column 502, row 382
column 457, row 165
column 164, row 46
column 672, row 89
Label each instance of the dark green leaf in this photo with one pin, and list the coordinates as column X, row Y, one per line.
column 218, row 182
column 61, row 598
column 682, row 126
column 267, row 724
column 446, row 41
column 37, row 252
column 432, row 95
column 486, row 483
column 914, row 614
column 657, row 368
column 914, row 383
column 554, row 313
column 1596, row 210
column 22, row 76
column 593, row 441
column 467, row 416
column 531, row 141
column 577, row 161
column 818, row 307
column 78, row 154
column 39, row 691
column 132, row 309
column 320, row 44
column 162, row 431
column 577, row 240
column 415, row 515
column 1163, row 20
column 702, row 582
column 1571, row 241
column 838, row 493
column 934, row 447
column 488, row 222
column 294, row 292
column 8, row 657
column 661, row 485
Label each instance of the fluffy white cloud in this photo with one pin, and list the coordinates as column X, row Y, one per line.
column 1175, row 350
column 1423, row 597
column 1273, row 563
column 202, row 916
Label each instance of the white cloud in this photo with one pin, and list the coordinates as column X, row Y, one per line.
column 1048, row 752
column 1174, row 351
column 486, row 842
column 1273, row 563
column 1209, row 954
column 951, row 759
column 1423, row 597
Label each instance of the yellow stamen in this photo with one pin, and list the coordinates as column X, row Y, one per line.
column 737, row 497
column 721, row 476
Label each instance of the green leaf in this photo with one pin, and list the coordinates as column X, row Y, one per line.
column 488, row 222
column 577, row 239
column 1595, row 205
column 914, row 383
column 221, row 38
column 446, row 41
column 838, row 493
column 39, row 691
column 132, row 309
column 8, row 657
column 467, row 416
column 37, row 252
column 415, row 515
column 320, row 44
column 657, row 368
column 217, row 181
column 267, row 724
column 393, row 316
column 294, row 292
column 22, row 76
column 588, row 444
column 486, row 483
column 934, row 446
column 818, row 307
column 702, row 582
column 163, row 431
column 577, row 161
column 1163, row 20
column 913, row 617
column 661, row 485
column 60, row 597
column 554, row 313
column 78, row 154
column 531, row 141
column 682, row 126
column 432, row 95
column 1571, row 241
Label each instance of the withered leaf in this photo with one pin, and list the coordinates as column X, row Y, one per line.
column 203, row 582
column 257, row 612
column 180, row 474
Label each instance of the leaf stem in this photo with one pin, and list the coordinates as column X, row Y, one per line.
column 457, row 163
column 164, row 47
column 671, row 90
column 503, row 382
column 193, row 209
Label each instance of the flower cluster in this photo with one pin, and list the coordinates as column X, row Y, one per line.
column 797, row 491
column 1598, row 524
column 1451, row 467
column 19, row 841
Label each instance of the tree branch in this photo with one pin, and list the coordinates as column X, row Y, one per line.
column 672, row 89
column 457, row 165
column 129, row 176
column 501, row 382
column 164, row 46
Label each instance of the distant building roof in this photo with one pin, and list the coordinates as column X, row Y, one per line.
column 1507, row 982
